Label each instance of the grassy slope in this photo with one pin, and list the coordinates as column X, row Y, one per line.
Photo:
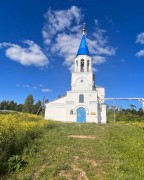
column 116, row 153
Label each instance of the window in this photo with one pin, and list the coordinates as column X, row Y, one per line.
column 81, row 98
column 88, row 66
column 71, row 112
column 76, row 65
column 93, row 80
column 82, row 65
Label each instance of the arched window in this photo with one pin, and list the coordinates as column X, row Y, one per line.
column 81, row 98
column 82, row 65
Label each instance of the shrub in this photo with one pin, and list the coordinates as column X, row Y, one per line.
column 15, row 163
column 16, row 132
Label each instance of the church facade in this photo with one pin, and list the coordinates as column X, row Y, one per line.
column 85, row 101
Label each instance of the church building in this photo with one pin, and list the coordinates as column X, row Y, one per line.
column 85, row 101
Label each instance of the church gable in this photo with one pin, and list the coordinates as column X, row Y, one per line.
column 58, row 100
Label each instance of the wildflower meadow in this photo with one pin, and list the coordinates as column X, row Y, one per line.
column 17, row 130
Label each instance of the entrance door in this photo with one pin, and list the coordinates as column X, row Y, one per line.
column 81, row 115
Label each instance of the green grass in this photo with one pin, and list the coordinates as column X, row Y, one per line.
column 116, row 153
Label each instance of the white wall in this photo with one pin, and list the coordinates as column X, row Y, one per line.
column 87, row 83
column 56, row 110
column 90, row 105
column 101, row 92
column 103, row 114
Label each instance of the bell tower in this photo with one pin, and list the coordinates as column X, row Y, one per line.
column 82, row 77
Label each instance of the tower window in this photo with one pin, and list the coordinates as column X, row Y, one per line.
column 81, row 98
column 88, row 65
column 76, row 65
column 82, row 65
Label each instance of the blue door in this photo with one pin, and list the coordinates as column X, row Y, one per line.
column 81, row 115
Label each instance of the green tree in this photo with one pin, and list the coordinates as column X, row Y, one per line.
column 4, row 105
column 46, row 101
column 37, row 107
column 20, row 107
column 12, row 106
column 29, row 104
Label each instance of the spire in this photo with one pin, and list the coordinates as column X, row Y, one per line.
column 83, row 48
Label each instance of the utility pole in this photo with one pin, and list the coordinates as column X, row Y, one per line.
column 114, row 110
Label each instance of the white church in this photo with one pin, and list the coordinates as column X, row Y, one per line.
column 85, row 101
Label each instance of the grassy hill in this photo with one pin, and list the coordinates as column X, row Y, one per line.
column 84, row 151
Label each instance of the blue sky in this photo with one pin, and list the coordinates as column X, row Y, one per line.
column 39, row 40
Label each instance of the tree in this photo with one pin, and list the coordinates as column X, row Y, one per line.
column 4, row 105
column 140, row 112
column 133, row 107
column 28, row 105
column 107, row 106
column 37, row 106
column 20, row 107
column 12, row 106
column 46, row 101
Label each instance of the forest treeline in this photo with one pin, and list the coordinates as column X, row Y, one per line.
column 115, row 114
column 28, row 106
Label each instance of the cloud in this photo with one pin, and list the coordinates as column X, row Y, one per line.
column 62, row 36
column 26, row 86
column 40, row 87
column 59, row 21
column 140, row 53
column 30, row 55
column 45, row 90
column 99, row 60
column 23, row 85
column 140, row 40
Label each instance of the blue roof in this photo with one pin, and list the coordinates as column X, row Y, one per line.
column 83, row 48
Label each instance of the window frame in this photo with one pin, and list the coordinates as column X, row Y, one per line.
column 81, row 98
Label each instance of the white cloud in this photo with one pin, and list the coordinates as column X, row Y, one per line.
column 99, row 60
column 140, row 53
column 62, row 36
column 59, row 21
column 26, row 86
column 41, row 85
column 23, row 85
column 30, row 55
column 140, row 38
column 45, row 90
